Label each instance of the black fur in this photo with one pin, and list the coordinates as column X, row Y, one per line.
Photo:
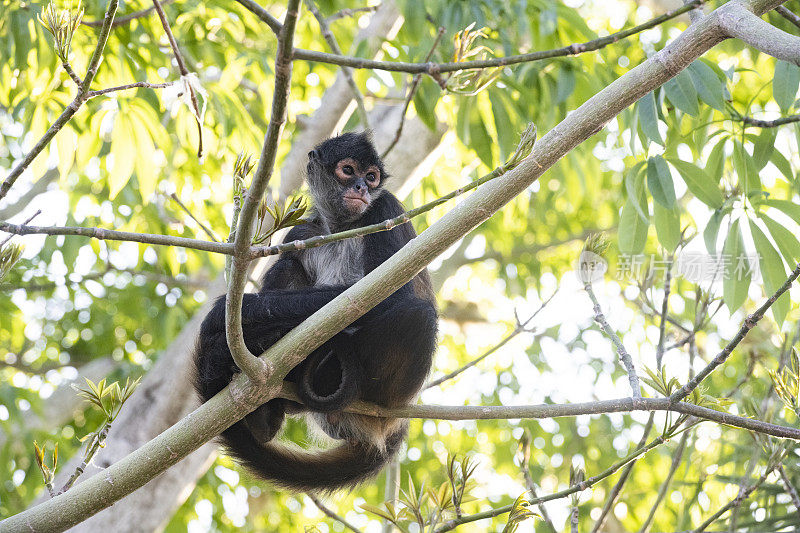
column 383, row 357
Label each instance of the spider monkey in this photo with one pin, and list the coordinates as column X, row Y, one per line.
column 382, row 357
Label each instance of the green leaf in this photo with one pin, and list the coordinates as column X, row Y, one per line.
column 746, row 169
column 715, row 165
column 712, row 231
column 772, row 272
column 681, row 92
column 506, row 136
column 123, row 146
column 708, row 84
column 785, row 83
column 425, row 102
column 481, row 141
column 668, row 226
column 631, row 185
column 763, row 147
column 736, row 278
column 790, row 208
column 784, row 238
column 782, row 164
column 648, row 117
column 659, row 181
column 632, row 228
column 699, row 183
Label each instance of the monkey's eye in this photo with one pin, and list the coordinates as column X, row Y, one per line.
column 348, row 170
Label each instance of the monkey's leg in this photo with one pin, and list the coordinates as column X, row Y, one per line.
column 395, row 350
column 329, row 379
column 265, row 422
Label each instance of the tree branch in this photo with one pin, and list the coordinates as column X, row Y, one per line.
column 741, row 24
column 623, row 478
column 184, row 72
column 332, row 514
column 434, row 68
column 624, row 356
column 126, row 18
column 108, row 234
column 350, row 12
column 734, row 503
column 346, row 71
column 144, row 84
column 386, row 225
column 662, row 491
column 759, row 123
column 254, row 368
column 410, row 96
column 788, row 15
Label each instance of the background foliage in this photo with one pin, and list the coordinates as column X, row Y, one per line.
column 679, row 169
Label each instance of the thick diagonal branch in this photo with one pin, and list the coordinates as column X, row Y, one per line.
column 742, row 24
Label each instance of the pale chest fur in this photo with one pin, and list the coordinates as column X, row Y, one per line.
column 337, row 263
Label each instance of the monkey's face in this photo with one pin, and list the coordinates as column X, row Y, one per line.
column 357, row 185
column 345, row 175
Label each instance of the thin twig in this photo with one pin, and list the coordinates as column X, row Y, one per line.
column 623, row 478
column 411, row 92
column 71, row 72
column 664, row 311
column 155, row 277
column 332, row 514
column 144, row 84
column 734, row 503
column 519, row 328
column 662, row 491
column 36, row 214
column 252, row 366
column 624, row 356
column 72, row 108
column 97, row 443
column 759, row 123
column 350, row 12
column 434, row 68
column 787, row 484
column 126, row 18
column 748, row 324
column 191, row 215
column 184, row 72
column 252, row 6
column 524, row 466
column 346, row 71
column 788, row 15
column 573, row 489
column 386, row 225
column 107, row 234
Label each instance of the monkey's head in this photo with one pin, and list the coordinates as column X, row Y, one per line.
column 345, row 175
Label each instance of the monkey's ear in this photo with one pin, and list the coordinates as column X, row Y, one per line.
column 313, row 155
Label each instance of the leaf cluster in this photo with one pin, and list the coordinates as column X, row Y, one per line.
column 428, row 507
column 62, row 25
column 281, row 214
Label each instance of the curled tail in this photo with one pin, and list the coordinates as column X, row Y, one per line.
column 326, row 470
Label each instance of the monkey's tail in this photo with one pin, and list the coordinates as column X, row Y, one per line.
column 327, row 470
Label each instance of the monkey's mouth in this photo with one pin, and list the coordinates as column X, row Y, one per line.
column 355, row 204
